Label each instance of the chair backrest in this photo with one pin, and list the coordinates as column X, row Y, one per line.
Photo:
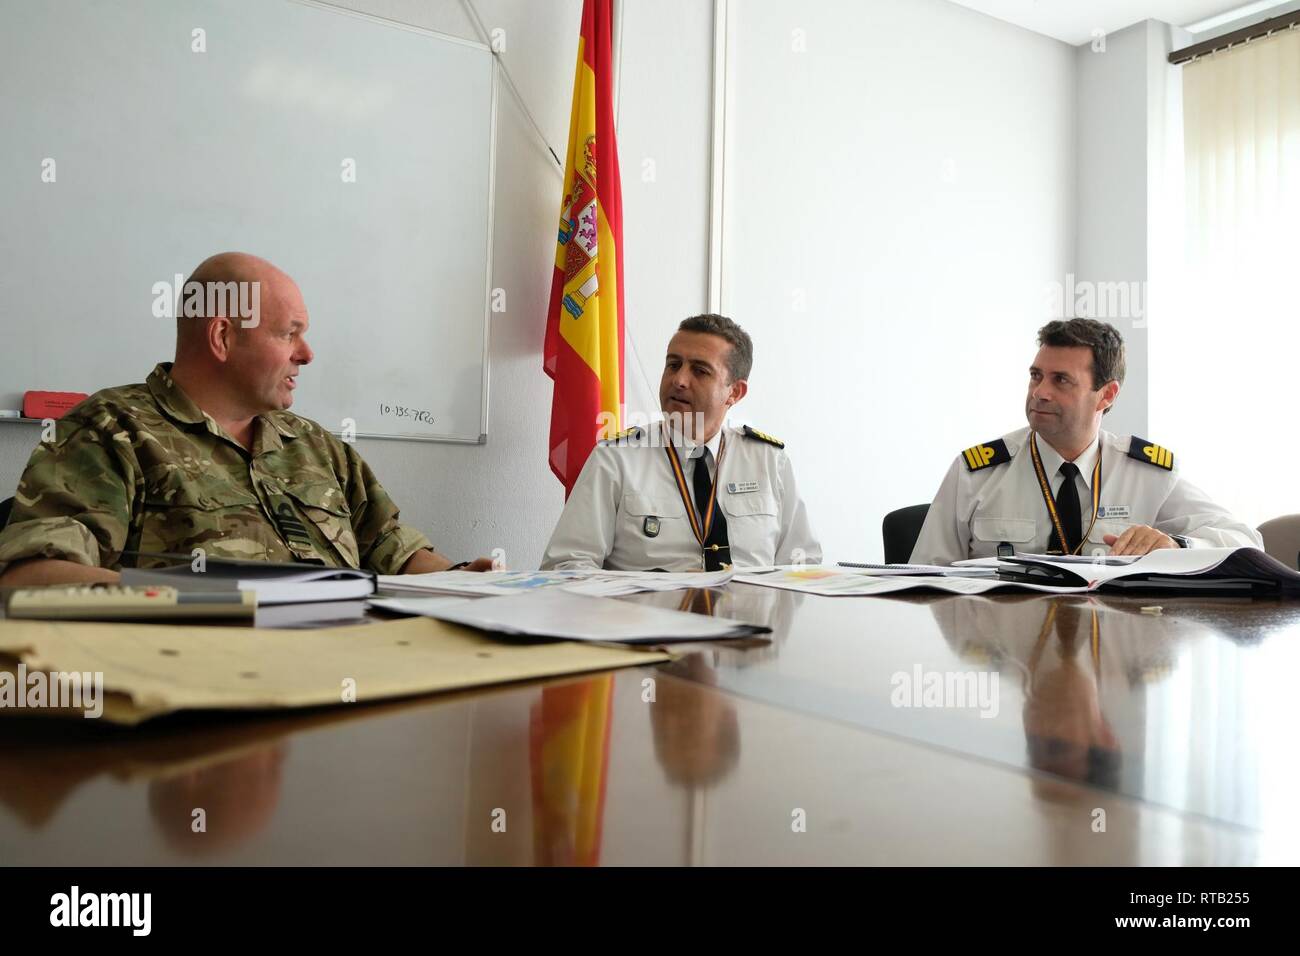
column 900, row 530
column 6, row 507
column 1282, row 539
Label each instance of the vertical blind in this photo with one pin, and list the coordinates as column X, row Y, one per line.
column 1224, row 386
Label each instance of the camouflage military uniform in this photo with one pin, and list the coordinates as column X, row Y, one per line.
column 142, row 468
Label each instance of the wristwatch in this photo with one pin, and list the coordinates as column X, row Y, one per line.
column 1182, row 542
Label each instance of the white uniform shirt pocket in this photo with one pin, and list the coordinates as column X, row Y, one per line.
column 642, row 506
column 1013, row 530
column 742, row 506
column 1105, row 526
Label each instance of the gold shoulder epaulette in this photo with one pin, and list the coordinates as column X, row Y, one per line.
column 987, row 455
column 1143, row 450
column 625, row 436
column 763, row 436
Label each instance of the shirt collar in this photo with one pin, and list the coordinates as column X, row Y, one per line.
column 1086, row 461
column 268, row 434
column 271, row 432
column 712, row 445
column 689, row 450
column 171, row 398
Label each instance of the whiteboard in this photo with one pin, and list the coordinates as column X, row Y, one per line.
column 164, row 154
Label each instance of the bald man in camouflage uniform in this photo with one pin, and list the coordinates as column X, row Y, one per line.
column 204, row 455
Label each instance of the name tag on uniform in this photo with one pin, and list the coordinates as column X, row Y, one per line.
column 1113, row 511
column 741, row 487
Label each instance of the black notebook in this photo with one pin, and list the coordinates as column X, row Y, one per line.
column 273, row 582
column 1195, row 571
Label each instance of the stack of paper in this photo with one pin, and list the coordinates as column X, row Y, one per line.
column 831, row 582
column 558, row 613
column 1201, row 570
column 594, row 583
column 311, row 614
column 919, row 570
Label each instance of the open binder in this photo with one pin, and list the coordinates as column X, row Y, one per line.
column 1241, row 571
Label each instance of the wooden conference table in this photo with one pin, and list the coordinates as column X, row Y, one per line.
column 1173, row 730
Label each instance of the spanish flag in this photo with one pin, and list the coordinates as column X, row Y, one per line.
column 584, row 329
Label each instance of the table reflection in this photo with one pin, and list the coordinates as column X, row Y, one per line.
column 696, row 731
column 1187, row 707
column 208, row 789
column 1180, row 703
column 202, row 811
column 569, row 730
column 765, row 607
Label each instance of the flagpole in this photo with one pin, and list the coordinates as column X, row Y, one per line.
column 482, row 31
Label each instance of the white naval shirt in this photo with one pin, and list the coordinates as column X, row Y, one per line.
column 605, row 521
column 975, row 511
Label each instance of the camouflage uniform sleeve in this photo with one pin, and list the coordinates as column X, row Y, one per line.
column 74, row 499
column 385, row 544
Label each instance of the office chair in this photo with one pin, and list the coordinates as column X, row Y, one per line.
column 900, row 530
column 1282, row 539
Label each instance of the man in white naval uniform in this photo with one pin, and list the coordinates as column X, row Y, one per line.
column 688, row 493
column 1064, row 476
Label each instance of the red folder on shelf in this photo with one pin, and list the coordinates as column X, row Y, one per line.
column 50, row 404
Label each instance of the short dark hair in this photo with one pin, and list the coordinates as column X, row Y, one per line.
column 740, row 360
column 1104, row 339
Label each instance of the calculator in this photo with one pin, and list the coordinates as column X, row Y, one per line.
column 85, row 602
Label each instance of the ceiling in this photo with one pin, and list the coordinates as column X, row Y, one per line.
column 1073, row 21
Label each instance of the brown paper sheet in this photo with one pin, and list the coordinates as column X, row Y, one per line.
column 154, row 669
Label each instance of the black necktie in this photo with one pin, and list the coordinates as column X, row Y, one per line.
column 714, row 557
column 1068, row 618
column 1067, row 509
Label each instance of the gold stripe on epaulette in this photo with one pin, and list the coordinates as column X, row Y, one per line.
column 628, row 434
column 979, row 456
column 1159, row 455
column 752, row 432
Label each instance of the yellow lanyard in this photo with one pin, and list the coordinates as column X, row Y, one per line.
column 1046, row 486
column 701, row 533
column 1094, row 648
column 699, row 600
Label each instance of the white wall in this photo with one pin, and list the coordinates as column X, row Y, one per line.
column 1111, row 244
column 900, row 192
column 1129, row 195
column 664, row 129
column 471, row 499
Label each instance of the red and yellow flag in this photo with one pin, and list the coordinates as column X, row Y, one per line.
column 584, row 329
column 569, row 733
